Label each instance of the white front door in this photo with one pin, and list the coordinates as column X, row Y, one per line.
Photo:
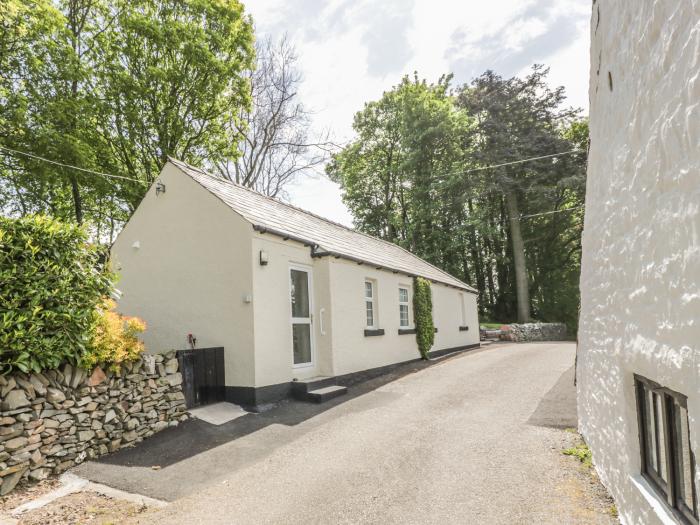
column 301, row 307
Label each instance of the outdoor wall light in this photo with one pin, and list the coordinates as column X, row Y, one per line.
column 263, row 258
column 136, row 245
column 160, row 188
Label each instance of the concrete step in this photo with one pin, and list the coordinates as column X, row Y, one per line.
column 324, row 394
column 301, row 387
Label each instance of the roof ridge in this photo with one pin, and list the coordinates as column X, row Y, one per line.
column 273, row 199
column 223, row 180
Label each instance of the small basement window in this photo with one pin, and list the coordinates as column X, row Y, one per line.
column 668, row 462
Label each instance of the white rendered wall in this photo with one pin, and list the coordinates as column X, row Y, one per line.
column 353, row 352
column 273, row 329
column 338, row 304
column 640, row 280
column 190, row 273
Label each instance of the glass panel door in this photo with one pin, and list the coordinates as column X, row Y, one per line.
column 300, row 288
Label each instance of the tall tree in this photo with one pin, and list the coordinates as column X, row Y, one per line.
column 393, row 173
column 114, row 87
column 276, row 142
column 173, row 78
column 517, row 119
column 419, row 174
column 51, row 109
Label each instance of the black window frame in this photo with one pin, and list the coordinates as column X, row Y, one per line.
column 671, row 403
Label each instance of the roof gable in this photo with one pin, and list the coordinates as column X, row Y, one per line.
column 266, row 214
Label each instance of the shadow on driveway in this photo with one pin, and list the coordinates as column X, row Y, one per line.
column 195, row 436
column 558, row 407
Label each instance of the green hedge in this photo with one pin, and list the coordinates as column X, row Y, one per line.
column 50, row 288
column 423, row 315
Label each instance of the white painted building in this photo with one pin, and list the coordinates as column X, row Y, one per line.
column 289, row 295
column 638, row 366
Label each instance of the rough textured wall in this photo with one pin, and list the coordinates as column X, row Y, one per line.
column 640, row 282
column 54, row 420
column 521, row 333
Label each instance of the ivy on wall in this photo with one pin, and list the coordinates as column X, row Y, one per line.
column 423, row 314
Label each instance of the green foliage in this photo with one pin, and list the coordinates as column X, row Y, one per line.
column 174, row 81
column 423, row 315
column 115, row 86
column 415, row 176
column 582, row 453
column 114, row 339
column 50, row 287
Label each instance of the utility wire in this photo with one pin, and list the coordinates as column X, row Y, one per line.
column 551, row 212
column 521, row 161
column 37, row 157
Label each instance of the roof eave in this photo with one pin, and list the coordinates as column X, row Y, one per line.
column 326, row 253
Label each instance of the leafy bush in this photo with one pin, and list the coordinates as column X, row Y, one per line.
column 115, row 339
column 423, row 314
column 50, row 288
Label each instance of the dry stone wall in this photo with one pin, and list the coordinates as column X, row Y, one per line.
column 52, row 421
column 534, row 332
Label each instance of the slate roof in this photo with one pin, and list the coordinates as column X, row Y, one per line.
column 327, row 237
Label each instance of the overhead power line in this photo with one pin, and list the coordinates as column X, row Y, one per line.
column 61, row 164
column 551, row 212
column 521, row 161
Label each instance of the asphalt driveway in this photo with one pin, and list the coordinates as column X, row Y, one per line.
column 475, row 438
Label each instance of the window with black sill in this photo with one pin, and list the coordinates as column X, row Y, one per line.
column 668, row 462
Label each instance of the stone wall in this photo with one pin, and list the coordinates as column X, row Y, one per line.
column 59, row 418
column 521, row 333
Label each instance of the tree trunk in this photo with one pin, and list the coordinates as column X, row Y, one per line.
column 77, row 201
column 521, row 287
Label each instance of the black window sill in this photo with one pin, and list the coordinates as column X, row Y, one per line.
column 406, row 331
column 373, row 332
column 463, row 328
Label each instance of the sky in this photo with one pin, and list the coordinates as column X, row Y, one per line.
column 351, row 51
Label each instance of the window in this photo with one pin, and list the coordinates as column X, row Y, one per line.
column 404, row 321
column 668, row 462
column 370, row 302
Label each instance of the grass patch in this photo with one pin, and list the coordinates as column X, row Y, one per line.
column 492, row 326
column 582, row 452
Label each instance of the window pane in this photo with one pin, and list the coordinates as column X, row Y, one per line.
column 661, row 435
column 370, row 313
column 686, row 467
column 650, row 429
column 302, row 343
column 403, row 295
column 403, row 315
column 368, row 289
column 300, row 293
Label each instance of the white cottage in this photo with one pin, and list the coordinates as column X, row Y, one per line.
column 639, row 333
column 293, row 299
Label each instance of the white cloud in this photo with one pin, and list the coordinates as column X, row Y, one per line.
column 353, row 50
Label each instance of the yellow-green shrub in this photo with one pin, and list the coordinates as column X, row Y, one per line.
column 51, row 282
column 115, row 339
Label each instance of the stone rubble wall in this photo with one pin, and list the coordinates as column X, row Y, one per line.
column 54, row 420
column 534, row 332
